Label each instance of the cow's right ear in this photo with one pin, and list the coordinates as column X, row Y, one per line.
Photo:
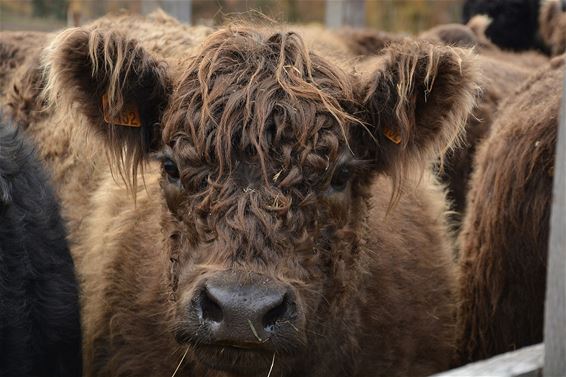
column 120, row 88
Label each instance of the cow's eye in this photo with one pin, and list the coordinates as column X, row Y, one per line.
column 340, row 178
column 171, row 170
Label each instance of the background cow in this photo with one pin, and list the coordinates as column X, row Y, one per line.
column 40, row 332
column 501, row 72
column 14, row 47
column 514, row 23
column 505, row 232
column 20, row 89
column 553, row 25
column 366, row 42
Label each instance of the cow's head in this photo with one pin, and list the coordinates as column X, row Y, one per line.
column 267, row 153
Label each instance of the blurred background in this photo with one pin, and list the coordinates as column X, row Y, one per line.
column 410, row 16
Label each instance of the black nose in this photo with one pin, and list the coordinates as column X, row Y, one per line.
column 244, row 314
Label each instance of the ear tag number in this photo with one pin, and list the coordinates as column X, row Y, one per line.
column 392, row 135
column 129, row 116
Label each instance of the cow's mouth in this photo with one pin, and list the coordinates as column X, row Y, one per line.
column 236, row 360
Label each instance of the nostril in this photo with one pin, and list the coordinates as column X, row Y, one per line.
column 210, row 310
column 279, row 313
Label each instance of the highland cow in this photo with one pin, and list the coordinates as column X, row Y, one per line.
column 40, row 331
column 504, row 236
column 287, row 224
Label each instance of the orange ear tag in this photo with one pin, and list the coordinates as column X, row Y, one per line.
column 392, row 135
column 129, row 117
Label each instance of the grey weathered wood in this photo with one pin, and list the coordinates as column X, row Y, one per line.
column 355, row 13
column 345, row 13
column 526, row 362
column 148, row 6
column 555, row 307
column 334, row 13
column 180, row 9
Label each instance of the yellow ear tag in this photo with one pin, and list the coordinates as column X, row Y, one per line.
column 392, row 135
column 129, row 117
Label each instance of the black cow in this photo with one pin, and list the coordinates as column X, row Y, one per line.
column 514, row 23
column 40, row 330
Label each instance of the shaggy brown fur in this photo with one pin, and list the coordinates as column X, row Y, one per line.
column 499, row 79
column 452, row 35
column 505, row 233
column 501, row 74
column 14, row 47
column 552, row 22
column 274, row 162
column 366, row 42
column 17, row 49
column 324, row 41
column 23, row 103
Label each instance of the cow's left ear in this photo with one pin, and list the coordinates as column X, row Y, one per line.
column 120, row 88
column 416, row 103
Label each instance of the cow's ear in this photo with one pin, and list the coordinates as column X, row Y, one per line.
column 111, row 79
column 416, row 103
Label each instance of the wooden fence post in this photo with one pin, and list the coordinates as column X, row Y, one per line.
column 334, row 13
column 180, row 9
column 345, row 12
column 555, row 307
column 355, row 13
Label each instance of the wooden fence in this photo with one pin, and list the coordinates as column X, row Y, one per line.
column 555, row 309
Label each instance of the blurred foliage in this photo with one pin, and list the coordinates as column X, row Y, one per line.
column 46, row 8
column 18, row 15
column 411, row 16
column 294, row 11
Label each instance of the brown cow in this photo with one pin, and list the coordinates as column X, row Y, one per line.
column 264, row 239
column 552, row 22
column 505, row 232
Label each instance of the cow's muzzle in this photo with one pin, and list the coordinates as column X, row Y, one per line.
column 250, row 315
